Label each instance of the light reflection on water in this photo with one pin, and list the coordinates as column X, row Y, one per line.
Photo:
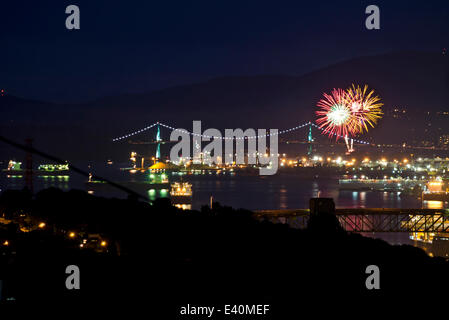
column 283, row 198
column 40, row 182
column 255, row 192
column 432, row 204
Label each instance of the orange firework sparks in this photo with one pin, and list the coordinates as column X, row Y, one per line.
column 366, row 108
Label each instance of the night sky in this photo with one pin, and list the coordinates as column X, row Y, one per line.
column 138, row 46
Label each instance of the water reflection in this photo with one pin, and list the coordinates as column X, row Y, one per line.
column 183, row 206
column 433, row 204
column 315, row 189
column 153, row 194
column 39, row 182
column 283, row 198
column 362, row 198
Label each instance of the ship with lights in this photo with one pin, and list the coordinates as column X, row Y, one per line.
column 15, row 169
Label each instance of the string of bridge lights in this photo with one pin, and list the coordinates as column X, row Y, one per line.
column 231, row 138
column 135, row 132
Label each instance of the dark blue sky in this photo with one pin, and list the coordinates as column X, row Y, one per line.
column 135, row 46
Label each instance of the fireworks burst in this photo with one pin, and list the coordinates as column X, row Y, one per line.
column 334, row 116
column 348, row 113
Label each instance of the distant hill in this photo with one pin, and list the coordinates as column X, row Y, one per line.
column 416, row 82
column 411, row 81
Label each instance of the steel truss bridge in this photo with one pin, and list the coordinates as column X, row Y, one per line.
column 369, row 220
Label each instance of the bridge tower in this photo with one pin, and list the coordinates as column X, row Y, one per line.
column 310, row 140
column 158, row 140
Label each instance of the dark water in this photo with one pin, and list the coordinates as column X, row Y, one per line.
column 290, row 192
column 280, row 191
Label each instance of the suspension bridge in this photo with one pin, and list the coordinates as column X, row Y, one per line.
column 349, row 141
column 280, row 132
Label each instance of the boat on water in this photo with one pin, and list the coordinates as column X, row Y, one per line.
column 46, row 169
column 436, row 190
column 154, row 181
column 388, row 185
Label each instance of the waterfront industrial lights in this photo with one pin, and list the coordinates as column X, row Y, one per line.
column 72, row 235
column 6, row 243
column 103, row 243
column 42, row 225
